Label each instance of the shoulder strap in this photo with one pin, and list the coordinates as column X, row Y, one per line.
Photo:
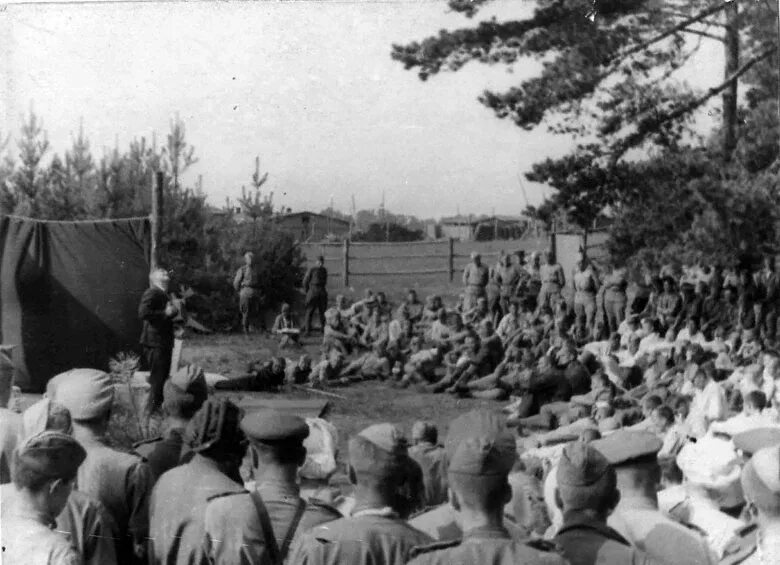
column 299, row 510
column 265, row 525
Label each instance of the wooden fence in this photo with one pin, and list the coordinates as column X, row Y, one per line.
column 443, row 259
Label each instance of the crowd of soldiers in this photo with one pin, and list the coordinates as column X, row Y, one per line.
column 641, row 425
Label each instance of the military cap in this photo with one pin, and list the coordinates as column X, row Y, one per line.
column 273, row 426
column 625, row 447
column 425, row 430
column 581, row 465
column 53, row 454
column 380, row 449
column 215, row 425
column 186, row 386
column 46, row 415
column 475, row 424
column 87, row 393
column 750, row 441
column 483, row 456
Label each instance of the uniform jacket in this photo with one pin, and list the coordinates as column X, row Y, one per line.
column 158, row 327
column 26, row 540
column 233, row 531
column 164, row 453
column 430, row 457
column 177, row 517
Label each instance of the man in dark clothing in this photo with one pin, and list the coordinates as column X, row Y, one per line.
column 247, row 284
column 430, row 456
column 315, row 286
column 261, row 377
column 157, row 312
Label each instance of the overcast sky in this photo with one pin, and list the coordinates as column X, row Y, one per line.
column 309, row 87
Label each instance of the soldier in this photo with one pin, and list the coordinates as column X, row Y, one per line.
column 84, row 521
column 587, row 494
column 430, row 456
column 10, row 428
column 44, row 470
column 177, row 518
column 475, row 278
column 374, row 533
column 586, row 286
column 259, row 526
column 266, row 376
column 633, row 456
column 247, row 285
column 120, row 481
column 184, row 393
column 479, row 488
column 157, row 313
column 553, row 281
column 315, row 286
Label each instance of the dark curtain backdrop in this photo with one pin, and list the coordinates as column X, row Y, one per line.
column 69, row 293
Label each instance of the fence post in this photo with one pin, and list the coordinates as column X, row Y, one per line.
column 156, row 217
column 345, row 265
column 451, row 258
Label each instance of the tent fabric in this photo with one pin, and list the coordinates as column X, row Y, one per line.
column 69, row 293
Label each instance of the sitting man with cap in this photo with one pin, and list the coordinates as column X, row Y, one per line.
column 183, row 394
column 217, row 445
column 587, row 494
column 120, row 481
column 44, row 469
column 633, row 456
column 478, row 474
column 374, row 533
column 266, row 376
column 260, row 526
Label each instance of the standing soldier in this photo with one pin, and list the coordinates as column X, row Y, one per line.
column 260, row 526
column 157, row 312
column 315, row 286
column 177, row 517
column 247, row 285
column 553, row 281
column 586, row 286
column 508, row 276
column 478, row 474
column 120, row 481
column 374, row 532
column 44, row 470
column 475, row 278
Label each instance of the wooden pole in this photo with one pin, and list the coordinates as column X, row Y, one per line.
column 156, row 217
column 451, row 259
column 345, row 272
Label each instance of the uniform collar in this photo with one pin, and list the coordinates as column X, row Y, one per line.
column 575, row 520
column 486, row 532
column 277, row 489
column 385, row 512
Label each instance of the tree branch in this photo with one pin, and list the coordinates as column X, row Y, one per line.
column 703, row 34
column 644, row 130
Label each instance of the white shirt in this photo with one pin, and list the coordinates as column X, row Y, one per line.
column 707, row 405
column 685, row 335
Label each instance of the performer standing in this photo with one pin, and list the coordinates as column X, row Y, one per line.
column 157, row 312
column 247, row 284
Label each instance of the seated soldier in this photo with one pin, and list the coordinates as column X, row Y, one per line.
column 433, row 309
column 298, row 373
column 489, row 355
column 336, row 335
column 465, row 356
column 285, row 327
column 510, row 323
column 377, row 329
column 439, row 332
column 268, row 376
column 328, row 369
column 401, row 330
column 421, row 365
column 478, row 313
column 412, row 307
column 511, row 374
column 371, row 365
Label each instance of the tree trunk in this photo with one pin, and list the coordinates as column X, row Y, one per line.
column 731, row 44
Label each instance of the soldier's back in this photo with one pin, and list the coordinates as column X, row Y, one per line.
column 234, row 531
column 592, row 543
column 487, row 550
column 374, row 539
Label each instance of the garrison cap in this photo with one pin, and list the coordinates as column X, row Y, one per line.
column 215, row 425
column 86, row 393
column 625, row 447
column 479, row 443
column 761, row 478
column 273, row 426
column 751, row 441
column 476, row 423
column 186, row 386
column 425, row 430
column 581, row 465
column 379, row 449
column 46, row 415
column 53, row 454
